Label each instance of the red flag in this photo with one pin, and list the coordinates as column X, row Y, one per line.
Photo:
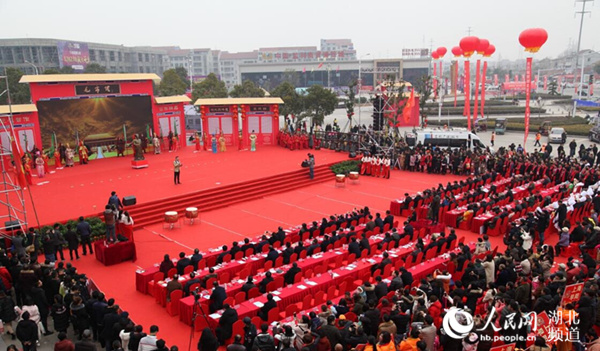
column 545, row 82
column 495, row 79
column 408, row 107
column 320, row 65
column 506, row 78
column 18, row 164
column 304, row 70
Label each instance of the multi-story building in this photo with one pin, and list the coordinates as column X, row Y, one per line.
column 36, row 55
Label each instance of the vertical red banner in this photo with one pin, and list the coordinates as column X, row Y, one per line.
column 545, row 82
column 434, row 80
column 495, row 79
column 523, row 77
column 455, row 81
column 468, row 93
column 441, row 75
column 506, row 78
column 483, row 80
column 527, row 98
column 475, row 105
column 516, row 78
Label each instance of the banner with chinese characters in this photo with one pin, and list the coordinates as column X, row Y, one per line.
column 543, row 325
column 97, row 89
column 572, row 294
column 508, row 347
column 74, row 55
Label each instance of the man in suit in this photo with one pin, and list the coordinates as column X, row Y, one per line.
column 451, row 237
column 562, row 213
column 248, row 285
column 263, row 313
column 409, row 230
column 196, row 257
column 182, row 263
column 311, row 230
column 370, row 224
column 381, row 288
column 262, row 286
column 211, row 274
column 311, row 249
column 287, row 253
column 217, row 298
column 325, row 243
column 364, row 244
column 280, row 235
column 263, row 241
column 222, row 255
column 299, row 248
column 247, row 245
column 384, row 262
column 225, row 329
column 389, row 219
column 354, row 247
column 173, row 285
column 272, row 255
column 407, row 201
column 193, row 280
column 378, row 221
column 291, row 274
column 235, row 248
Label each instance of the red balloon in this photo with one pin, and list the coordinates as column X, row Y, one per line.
column 532, row 39
column 469, row 45
column 435, row 55
column 441, row 51
column 483, row 45
column 490, row 51
column 457, row 51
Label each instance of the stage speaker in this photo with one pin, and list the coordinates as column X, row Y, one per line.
column 12, row 225
column 129, row 200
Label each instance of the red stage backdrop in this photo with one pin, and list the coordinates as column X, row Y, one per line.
column 404, row 119
column 262, row 120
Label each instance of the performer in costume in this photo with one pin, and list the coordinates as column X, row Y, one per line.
column 27, row 169
column 138, row 153
column 57, row 163
column 120, row 147
column 363, row 165
column 214, row 143
column 175, row 143
column 70, row 155
column 100, row 152
column 369, row 164
column 170, row 141
column 156, row 143
column 206, row 138
column 253, row 141
column 39, row 165
column 83, row 154
column 375, row 166
column 197, row 141
column 46, row 166
column 222, row 146
column 386, row 168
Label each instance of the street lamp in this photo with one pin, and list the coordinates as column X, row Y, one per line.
column 360, row 85
column 34, row 67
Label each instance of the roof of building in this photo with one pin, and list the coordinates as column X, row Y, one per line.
column 239, row 101
column 239, row 55
column 85, row 77
column 5, row 109
column 290, row 48
column 172, row 99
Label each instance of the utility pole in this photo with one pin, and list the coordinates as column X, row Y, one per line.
column 469, row 30
column 582, row 13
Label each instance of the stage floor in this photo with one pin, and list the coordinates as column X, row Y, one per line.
column 84, row 189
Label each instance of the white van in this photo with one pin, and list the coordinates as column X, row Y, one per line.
column 454, row 138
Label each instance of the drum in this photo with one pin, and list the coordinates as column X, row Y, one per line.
column 171, row 216
column 353, row 176
column 191, row 212
column 340, row 178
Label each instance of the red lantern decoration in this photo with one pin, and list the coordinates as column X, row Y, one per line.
column 457, row 51
column 532, row 39
column 489, row 51
column 441, row 51
column 483, row 45
column 435, row 55
column 469, row 45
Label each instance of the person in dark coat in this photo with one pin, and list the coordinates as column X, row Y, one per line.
column 225, row 329
column 38, row 295
column 111, row 317
column 208, row 341
column 291, row 274
column 27, row 332
column 79, row 316
column 72, row 242
column 586, row 314
column 60, row 314
column 7, row 313
column 86, row 343
column 263, row 313
column 217, row 297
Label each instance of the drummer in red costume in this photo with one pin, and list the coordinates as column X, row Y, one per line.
column 385, row 173
column 363, row 165
column 375, row 166
column 304, row 141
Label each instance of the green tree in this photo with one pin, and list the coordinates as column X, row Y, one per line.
column 94, row 68
column 183, row 74
column 171, row 84
column 423, row 87
column 67, row 70
column 51, row 71
column 209, row 87
column 553, row 88
column 597, row 68
column 19, row 93
column 246, row 89
column 319, row 102
column 292, row 101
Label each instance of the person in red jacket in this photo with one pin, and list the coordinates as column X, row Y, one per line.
column 435, row 310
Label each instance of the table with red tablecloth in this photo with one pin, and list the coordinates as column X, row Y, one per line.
column 110, row 254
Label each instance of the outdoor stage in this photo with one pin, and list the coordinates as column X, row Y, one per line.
column 84, row 189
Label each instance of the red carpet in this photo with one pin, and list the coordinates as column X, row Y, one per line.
column 84, row 190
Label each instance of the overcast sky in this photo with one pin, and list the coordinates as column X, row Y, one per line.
column 381, row 28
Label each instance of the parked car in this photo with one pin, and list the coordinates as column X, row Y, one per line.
column 557, row 135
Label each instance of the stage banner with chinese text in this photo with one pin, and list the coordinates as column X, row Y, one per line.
column 572, row 294
column 543, row 325
column 72, row 54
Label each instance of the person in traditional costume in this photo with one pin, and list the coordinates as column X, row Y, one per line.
column 214, row 143
column 170, row 141
column 253, row 141
column 175, row 142
column 57, row 162
column 27, row 170
column 222, row 146
column 120, row 147
column 156, row 143
column 70, row 156
column 197, row 141
column 46, row 166
column 144, row 143
column 83, row 153
column 206, row 139
column 39, row 165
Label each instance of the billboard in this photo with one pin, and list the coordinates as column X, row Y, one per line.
column 74, row 55
column 85, row 118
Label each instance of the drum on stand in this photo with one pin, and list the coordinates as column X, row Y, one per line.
column 353, row 176
column 191, row 213
column 340, row 180
column 171, row 218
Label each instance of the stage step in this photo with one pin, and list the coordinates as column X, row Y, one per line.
column 215, row 198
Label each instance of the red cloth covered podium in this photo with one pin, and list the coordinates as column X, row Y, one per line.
column 114, row 253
